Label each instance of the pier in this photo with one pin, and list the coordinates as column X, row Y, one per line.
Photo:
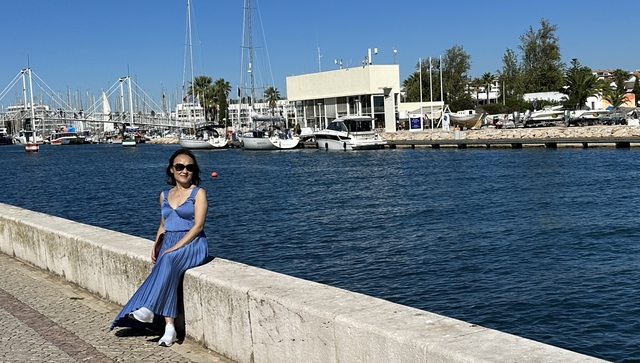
column 243, row 313
column 620, row 136
column 550, row 143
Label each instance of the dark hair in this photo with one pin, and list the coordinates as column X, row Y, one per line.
column 195, row 178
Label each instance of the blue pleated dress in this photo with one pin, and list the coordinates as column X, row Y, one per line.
column 159, row 292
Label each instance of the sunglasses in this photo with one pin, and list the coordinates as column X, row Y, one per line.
column 180, row 167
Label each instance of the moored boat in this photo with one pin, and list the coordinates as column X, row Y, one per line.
column 547, row 116
column 24, row 137
column 66, row 136
column 129, row 142
column 589, row 116
column 466, row 119
column 349, row 133
column 5, row 139
column 205, row 138
column 268, row 140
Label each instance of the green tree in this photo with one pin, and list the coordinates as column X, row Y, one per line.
column 221, row 90
column 200, row 88
column 615, row 96
column 579, row 84
column 486, row 79
column 510, row 77
column 272, row 95
column 412, row 84
column 475, row 86
column 636, row 90
column 456, row 64
column 541, row 59
column 620, row 76
column 411, row 87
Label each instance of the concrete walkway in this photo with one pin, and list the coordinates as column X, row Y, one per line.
column 46, row 319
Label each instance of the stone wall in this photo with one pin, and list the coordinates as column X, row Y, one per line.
column 252, row 315
column 599, row 131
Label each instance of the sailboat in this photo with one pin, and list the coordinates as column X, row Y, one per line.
column 108, row 127
column 267, row 132
column 206, row 136
column 130, row 132
column 32, row 145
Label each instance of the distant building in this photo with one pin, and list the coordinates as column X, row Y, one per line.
column 316, row 99
column 480, row 95
column 545, row 96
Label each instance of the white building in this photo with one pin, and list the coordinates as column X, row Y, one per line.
column 481, row 96
column 369, row 90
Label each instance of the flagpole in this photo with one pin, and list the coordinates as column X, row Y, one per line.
column 431, row 92
column 420, row 65
column 441, row 91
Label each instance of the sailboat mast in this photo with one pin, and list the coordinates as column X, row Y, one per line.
column 250, row 35
column 121, row 103
column 130, row 100
column 189, row 44
column 33, row 122
column 24, row 91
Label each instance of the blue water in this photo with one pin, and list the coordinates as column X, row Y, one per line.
column 540, row 243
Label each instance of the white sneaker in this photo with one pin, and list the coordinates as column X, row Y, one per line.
column 169, row 336
column 142, row 315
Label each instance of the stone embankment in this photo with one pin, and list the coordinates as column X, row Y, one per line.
column 489, row 133
column 248, row 314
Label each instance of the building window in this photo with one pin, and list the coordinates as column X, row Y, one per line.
column 366, row 105
column 342, row 106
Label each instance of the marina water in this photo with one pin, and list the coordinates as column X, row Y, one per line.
column 537, row 242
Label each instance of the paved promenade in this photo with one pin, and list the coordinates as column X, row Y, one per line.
column 46, row 319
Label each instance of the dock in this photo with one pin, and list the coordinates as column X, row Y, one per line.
column 551, row 143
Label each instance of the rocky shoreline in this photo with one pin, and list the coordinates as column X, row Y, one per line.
column 490, row 133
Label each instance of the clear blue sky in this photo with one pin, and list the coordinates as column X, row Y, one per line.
column 87, row 44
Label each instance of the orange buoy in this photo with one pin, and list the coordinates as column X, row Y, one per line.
column 214, row 174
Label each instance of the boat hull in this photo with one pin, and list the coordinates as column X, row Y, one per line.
column 466, row 121
column 67, row 140
column 129, row 142
column 336, row 142
column 212, row 143
column 267, row 143
column 31, row 147
column 590, row 115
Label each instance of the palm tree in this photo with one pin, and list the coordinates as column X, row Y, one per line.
column 616, row 97
column 272, row 95
column 221, row 90
column 412, row 88
column 476, row 84
column 486, row 79
column 201, row 88
column 620, row 76
column 580, row 84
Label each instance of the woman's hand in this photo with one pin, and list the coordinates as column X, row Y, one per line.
column 170, row 249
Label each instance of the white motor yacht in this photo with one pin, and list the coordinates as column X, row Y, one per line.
column 23, row 137
column 349, row 133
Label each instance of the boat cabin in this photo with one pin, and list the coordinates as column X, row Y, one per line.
column 352, row 125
